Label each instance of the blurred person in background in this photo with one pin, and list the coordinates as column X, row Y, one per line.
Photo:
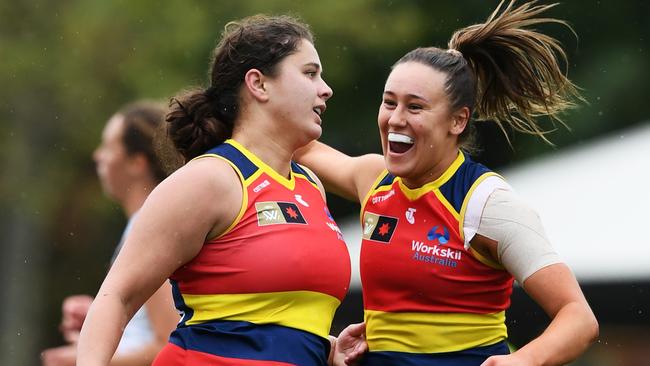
column 257, row 264
column 129, row 169
column 443, row 236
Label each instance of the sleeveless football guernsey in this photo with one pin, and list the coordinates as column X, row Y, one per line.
column 429, row 299
column 265, row 291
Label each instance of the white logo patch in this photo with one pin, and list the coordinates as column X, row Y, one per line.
column 301, row 201
column 261, row 186
column 410, row 215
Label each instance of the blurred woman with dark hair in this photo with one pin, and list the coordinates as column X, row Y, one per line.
column 129, row 168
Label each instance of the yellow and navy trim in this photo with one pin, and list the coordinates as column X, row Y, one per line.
column 251, row 167
column 383, row 183
column 453, row 187
column 469, row 357
column 301, row 171
column 186, row 312
column 245, row 170
column 253, row 342
column 309, row 311
column 229, row 151
column 465, row 174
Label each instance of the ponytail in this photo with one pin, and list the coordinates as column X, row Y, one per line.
column 504, row 72
column 195, row 125
column 517, row 70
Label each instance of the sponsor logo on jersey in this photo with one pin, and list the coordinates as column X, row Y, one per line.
column 437, row 253
column 332, row 225
column 439, row 233
column 272, row 213
column 261, row 186
column 301, row 201
column 382, row 198
column 410, row 215
column 436, row 250
column 378, row 228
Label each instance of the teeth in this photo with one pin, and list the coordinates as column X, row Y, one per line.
column 318, row 110
column 397, row 137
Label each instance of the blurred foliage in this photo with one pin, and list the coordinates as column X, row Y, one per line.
column 67, row 65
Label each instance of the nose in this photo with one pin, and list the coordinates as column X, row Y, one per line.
column 96, row 153
column 325, row 91
column 397, row 118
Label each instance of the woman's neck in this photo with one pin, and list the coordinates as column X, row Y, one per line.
column 271, row 151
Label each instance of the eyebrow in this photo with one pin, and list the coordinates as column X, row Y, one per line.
column 411, row 96
column 313, row 64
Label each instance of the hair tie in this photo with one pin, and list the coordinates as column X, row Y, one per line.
column 455, row 52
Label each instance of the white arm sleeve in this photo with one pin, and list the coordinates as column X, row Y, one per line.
column 523, row 247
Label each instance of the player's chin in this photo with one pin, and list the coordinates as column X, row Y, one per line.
column 314, row 133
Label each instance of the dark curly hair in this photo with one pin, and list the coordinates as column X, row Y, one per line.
column 201, row 118
column 143, row 121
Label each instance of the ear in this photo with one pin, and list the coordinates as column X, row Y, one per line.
column 460, row 118
column 138, row 164
column 254, row 81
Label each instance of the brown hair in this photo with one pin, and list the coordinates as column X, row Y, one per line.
column 202, row 118
column 503, row 71
column 143, row 120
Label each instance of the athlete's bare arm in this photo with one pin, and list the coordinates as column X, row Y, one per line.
column 344, row 175
column 202, row 197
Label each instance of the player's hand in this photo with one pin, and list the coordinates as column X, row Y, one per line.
column 75, row 308
column 350, row 345
column 514, row 359
column 60, row 356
